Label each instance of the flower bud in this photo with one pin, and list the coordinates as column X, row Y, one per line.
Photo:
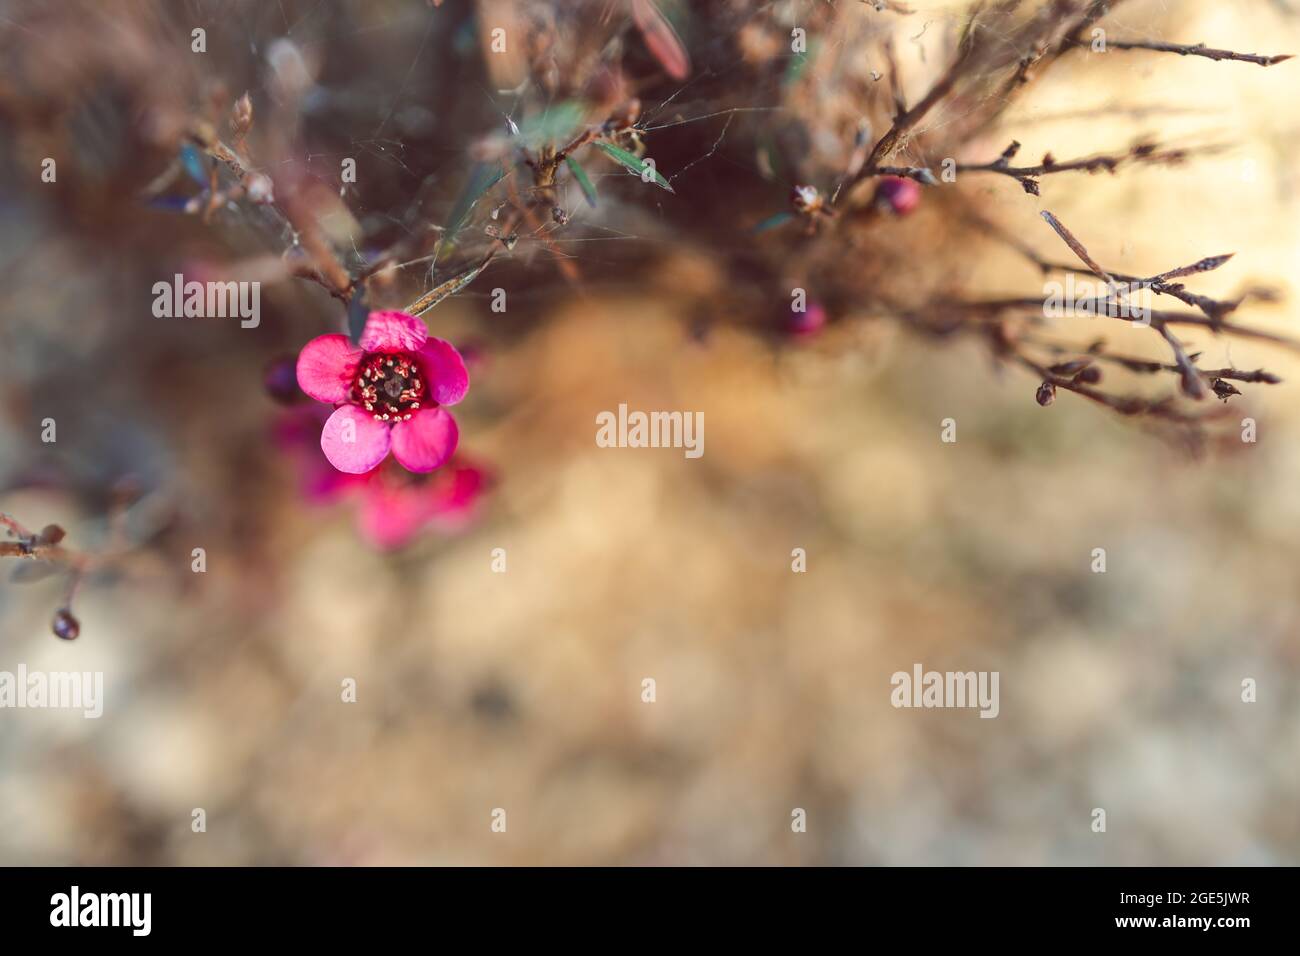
column 806, row 199
column 897, row 195
column 808, row 322
column 280, row 379
column 259, row 188
column 241, row 116
column 50, row 534
column 65, row 625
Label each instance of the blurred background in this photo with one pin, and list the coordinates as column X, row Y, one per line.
column 522, row 690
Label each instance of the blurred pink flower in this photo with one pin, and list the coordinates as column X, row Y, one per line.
column 808, row 322
column 297, row 432
column 388, row 391
column 393, row 506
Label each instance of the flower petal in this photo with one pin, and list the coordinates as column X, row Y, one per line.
column 445, row 369
column 326, row 367
column 456, row 500
column 353, row 441
column 426, row 440
column 322, row 484
column 393, row 332
column 390, row 516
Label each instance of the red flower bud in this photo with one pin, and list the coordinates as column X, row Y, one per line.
column 897, row 195
column 808, row 322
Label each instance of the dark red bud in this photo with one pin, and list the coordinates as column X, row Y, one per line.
column 897, row 195
column 66, row 626
column 808, row 322
column 280, row 379
column 50, row 534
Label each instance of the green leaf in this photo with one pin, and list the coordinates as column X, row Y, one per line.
column 582, row 179
column 557, row 123
column 449, row 288
column 661, row 39
column 631, row 163
column 772, row 221
column 799, row 63
column 481, row 178
column 773, row 168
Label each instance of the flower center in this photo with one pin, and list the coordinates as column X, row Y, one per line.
column 389, row 387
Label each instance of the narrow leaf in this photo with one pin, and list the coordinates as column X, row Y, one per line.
column 1202, row 265
column 449, row 288
column 481, row 178
column 558, row 122
column 582, row 179
column 192, row 160
column 772, row 221
column 1077, row 248
column 358, row 312
column 170, row 203
column 631, row 163
column 661, row 39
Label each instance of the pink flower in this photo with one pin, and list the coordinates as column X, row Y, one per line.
column 897, row 195
column 393, row 505
column 389, row 390
column 297, row 432
column 396, row 506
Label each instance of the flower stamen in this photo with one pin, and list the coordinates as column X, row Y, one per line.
column 389, row 387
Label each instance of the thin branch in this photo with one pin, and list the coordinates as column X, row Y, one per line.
column 1077, row 248
column 1124, row 404
column 1192, row 385
column 1214, row 309
column 1148, row 153
column 327, row 271
column 1130, row 363
column 995, row 309
column 1190, row 49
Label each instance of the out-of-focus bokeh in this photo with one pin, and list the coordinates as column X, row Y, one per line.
column 523, row 690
